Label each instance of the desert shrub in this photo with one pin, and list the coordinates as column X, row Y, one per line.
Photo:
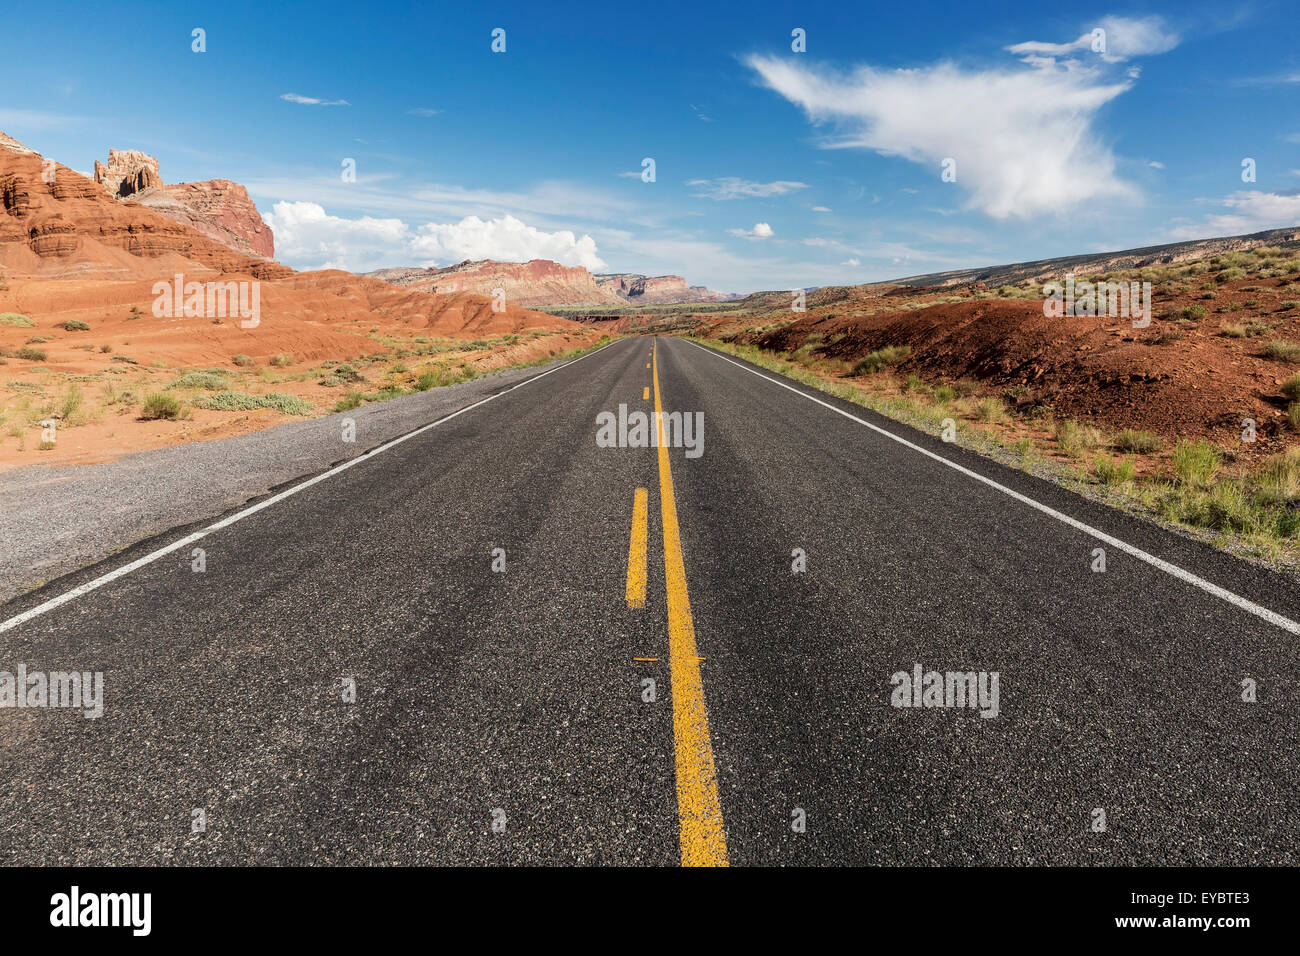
column 348, row 402
column 1195, row 462
column 880, row 358
column 159, row 405
column 31, row 354
column 990, row 410
column 1277, row 480
column 1136, row 442
column 1291, row 388
column 1282, row 351
column 1193, row 313
column 212, row 382
column 125, row 358
column 1113, row 471
column 15, row 320
column 945, row 393
column 283, row 360
column 243, row 361
column 241, row 402
column 1073, row 438
column 73, row 325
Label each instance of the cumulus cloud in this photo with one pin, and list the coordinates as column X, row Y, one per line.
column 505, row 238
column 305, row 234
column 311, row 100
column 1247, row 211
column 761, row 230
column 1022, row 137
column 732, row 187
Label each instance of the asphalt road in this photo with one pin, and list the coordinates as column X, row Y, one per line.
column 501, row 716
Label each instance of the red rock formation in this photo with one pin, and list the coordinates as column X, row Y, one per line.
column 528, row 284
column 543, row 282
column 128, row 172
column 218, row 208
column 638, row 288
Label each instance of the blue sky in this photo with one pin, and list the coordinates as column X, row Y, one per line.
column 773, row 169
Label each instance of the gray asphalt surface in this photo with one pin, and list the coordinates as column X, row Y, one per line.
column 480, row 691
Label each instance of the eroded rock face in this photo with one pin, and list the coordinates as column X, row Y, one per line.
column 56, row 222
column 532, row 283
column 128, row 172
column 543, row 282
column 218, row 208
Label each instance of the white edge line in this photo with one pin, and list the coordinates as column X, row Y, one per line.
column 1209, row 587
column 225, row 522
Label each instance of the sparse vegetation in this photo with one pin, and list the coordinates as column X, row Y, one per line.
column 880, row 358
column 241, row 402
column 15, row 320
column 243, row 361
column 1282, row 351
column 1074, row 439
column 207, row 380
column 73, row 325
column 1136, row 442
column 159, row 405
column 1195, row 463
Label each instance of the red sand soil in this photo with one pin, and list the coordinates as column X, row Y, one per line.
column 1096, row 369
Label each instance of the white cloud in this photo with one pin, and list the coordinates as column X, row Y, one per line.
column 312, row 101
column 424, row 111
column 851, row 261
column 309, row 237
column 732, row 187
column 1022, row 138
column 506, row 238
column 1120, row 38
column 821, row 209
column 761, row 230
column 1156, row 164
column 1245, row 212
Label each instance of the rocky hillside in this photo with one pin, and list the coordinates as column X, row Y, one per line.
column 1043, row 269
column 541, row 282
column 638, row 289
column 218, row 208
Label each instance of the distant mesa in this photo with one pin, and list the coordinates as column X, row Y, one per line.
column 541, row 282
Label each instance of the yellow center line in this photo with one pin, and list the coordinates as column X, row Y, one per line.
column 636, row 551
column 645, row 395
column 699, row 812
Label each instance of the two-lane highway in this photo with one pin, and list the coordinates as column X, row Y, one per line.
column 478, row 585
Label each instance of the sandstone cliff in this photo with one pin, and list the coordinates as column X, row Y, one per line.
column 218, row 208
column 541, row 282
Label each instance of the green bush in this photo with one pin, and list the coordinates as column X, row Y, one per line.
column 1282, row 351
column 15, row 320
column 1136, row 442
column 1113, row 471
column 880, row 358
column 208, row 380
column 159, row 405
column 73, row 325
column 1196, row 463
column 241, row 402
column 348, row 402
column 31, row 354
